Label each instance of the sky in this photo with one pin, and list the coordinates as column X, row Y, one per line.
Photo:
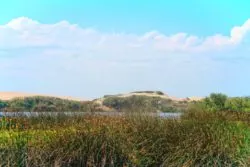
column 91, row 48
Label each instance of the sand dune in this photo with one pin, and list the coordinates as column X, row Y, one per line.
column 11, row 95
column 165, row 96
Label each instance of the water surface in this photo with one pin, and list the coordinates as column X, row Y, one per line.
column 28, row 114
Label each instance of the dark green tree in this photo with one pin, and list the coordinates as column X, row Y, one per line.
column 215, row 102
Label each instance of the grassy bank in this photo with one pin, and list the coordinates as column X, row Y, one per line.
column 197, row 139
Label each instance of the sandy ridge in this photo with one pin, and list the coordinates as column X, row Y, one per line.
column 11, row 95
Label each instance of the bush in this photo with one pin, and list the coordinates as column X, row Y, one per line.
column 241, row 104
column 3, row 105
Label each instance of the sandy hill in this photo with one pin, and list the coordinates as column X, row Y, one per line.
column 11, row 95
column 153, row 94
column 159, row 94
column 151, row 100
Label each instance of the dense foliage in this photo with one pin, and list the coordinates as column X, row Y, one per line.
column 214, row 139
column 43, row 104
column 133, row 103
column 212, row 132
column 137, row 103
column 3, row 105
column 220, row 102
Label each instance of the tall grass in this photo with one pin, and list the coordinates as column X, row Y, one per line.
column 196, row 139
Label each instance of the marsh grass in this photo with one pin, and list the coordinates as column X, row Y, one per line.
column 198, row 138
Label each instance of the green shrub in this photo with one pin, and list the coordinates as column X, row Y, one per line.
column 3, row 105
column 240, row 104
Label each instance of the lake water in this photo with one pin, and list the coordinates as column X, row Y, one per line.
column 19, row 114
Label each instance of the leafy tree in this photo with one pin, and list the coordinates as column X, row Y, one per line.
column 216, row 101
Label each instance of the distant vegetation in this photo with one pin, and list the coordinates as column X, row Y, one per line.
column 140, row 103
column 133, row 103
column 43, row 104
column 221, row 102
column 212, row 132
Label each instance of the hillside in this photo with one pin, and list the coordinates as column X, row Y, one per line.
column 152, row 101
column 16, row 101
column 146, row 101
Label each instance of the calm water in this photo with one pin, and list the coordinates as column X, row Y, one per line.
column 19, row 114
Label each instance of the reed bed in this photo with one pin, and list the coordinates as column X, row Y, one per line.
column 198, row 138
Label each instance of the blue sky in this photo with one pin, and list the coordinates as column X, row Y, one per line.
column 91, row 48
column 193, row 16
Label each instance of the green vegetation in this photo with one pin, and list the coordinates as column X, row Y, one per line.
column 3, row 105
column 43, row 104
column 140, row 103
column 134, row 103
column 220, row 102
column 212, row 132
column 197, row 139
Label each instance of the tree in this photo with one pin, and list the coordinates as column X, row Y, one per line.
column 219, row 100
column 215, row 102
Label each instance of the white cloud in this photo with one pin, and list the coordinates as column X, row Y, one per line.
column 25, row 32
column 64, row 58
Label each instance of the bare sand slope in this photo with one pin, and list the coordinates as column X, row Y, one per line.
column 165, row 96
column 11, row 95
